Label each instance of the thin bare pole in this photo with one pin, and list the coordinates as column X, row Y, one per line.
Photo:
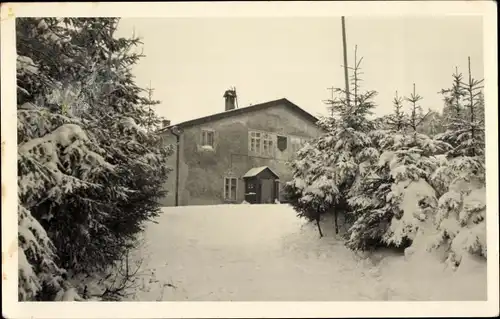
column 346, row 74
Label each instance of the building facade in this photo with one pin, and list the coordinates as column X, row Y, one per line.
column 236, row 155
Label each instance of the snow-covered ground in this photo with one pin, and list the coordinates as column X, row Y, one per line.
column 265, row 253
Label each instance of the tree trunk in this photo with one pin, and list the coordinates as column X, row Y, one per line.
column 335, row 215
column 319, row 228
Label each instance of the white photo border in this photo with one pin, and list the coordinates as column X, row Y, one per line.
column 12, row 308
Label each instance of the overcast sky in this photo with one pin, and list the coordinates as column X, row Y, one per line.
column 191, row 61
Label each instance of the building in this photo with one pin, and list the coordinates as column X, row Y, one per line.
column 236, row 155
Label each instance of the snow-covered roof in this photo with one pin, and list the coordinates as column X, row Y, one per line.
column 246, row 109
column 257, row 170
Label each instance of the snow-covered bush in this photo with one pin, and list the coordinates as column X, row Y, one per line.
column 381, row 202
column 312, row 192
column 91, row 164
column 416, row 202
column 394, row 198
column 461, row 214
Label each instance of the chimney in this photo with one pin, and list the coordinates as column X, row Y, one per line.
column 166, row 123
column 230, row 97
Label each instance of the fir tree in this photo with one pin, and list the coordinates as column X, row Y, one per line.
column 461, row 217
column 380, row 202
column 453, row 98
column 311, row 191
column 327, row 169
column 91, row 219
column 464, row 116
column 416, row 116
column 397, row 121
column 55, row 156
column 472, row 144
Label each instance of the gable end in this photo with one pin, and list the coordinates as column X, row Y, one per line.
column 254, row 108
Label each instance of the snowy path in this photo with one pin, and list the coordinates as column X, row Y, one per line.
column 265, row 253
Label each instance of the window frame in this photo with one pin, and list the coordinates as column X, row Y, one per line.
column 269, row 151
column 205, row 133
column 230, row 179
column 297, row 143
column 261, row 143
column 255, row 139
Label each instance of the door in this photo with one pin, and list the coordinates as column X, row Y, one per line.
column 267, row 191
column 276, row 190
column 251, row 191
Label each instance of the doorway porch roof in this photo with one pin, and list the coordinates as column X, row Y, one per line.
column 253, row 172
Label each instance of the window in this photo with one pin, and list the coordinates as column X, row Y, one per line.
column 297, row 144
column 267, row 145
column 207, row 138
column 255, row 142
column 261, row 143
column 295, row 141
column 230, row 186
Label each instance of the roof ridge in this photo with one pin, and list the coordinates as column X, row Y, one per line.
column 257, row 170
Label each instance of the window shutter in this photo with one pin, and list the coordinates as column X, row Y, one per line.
column 282, row 143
